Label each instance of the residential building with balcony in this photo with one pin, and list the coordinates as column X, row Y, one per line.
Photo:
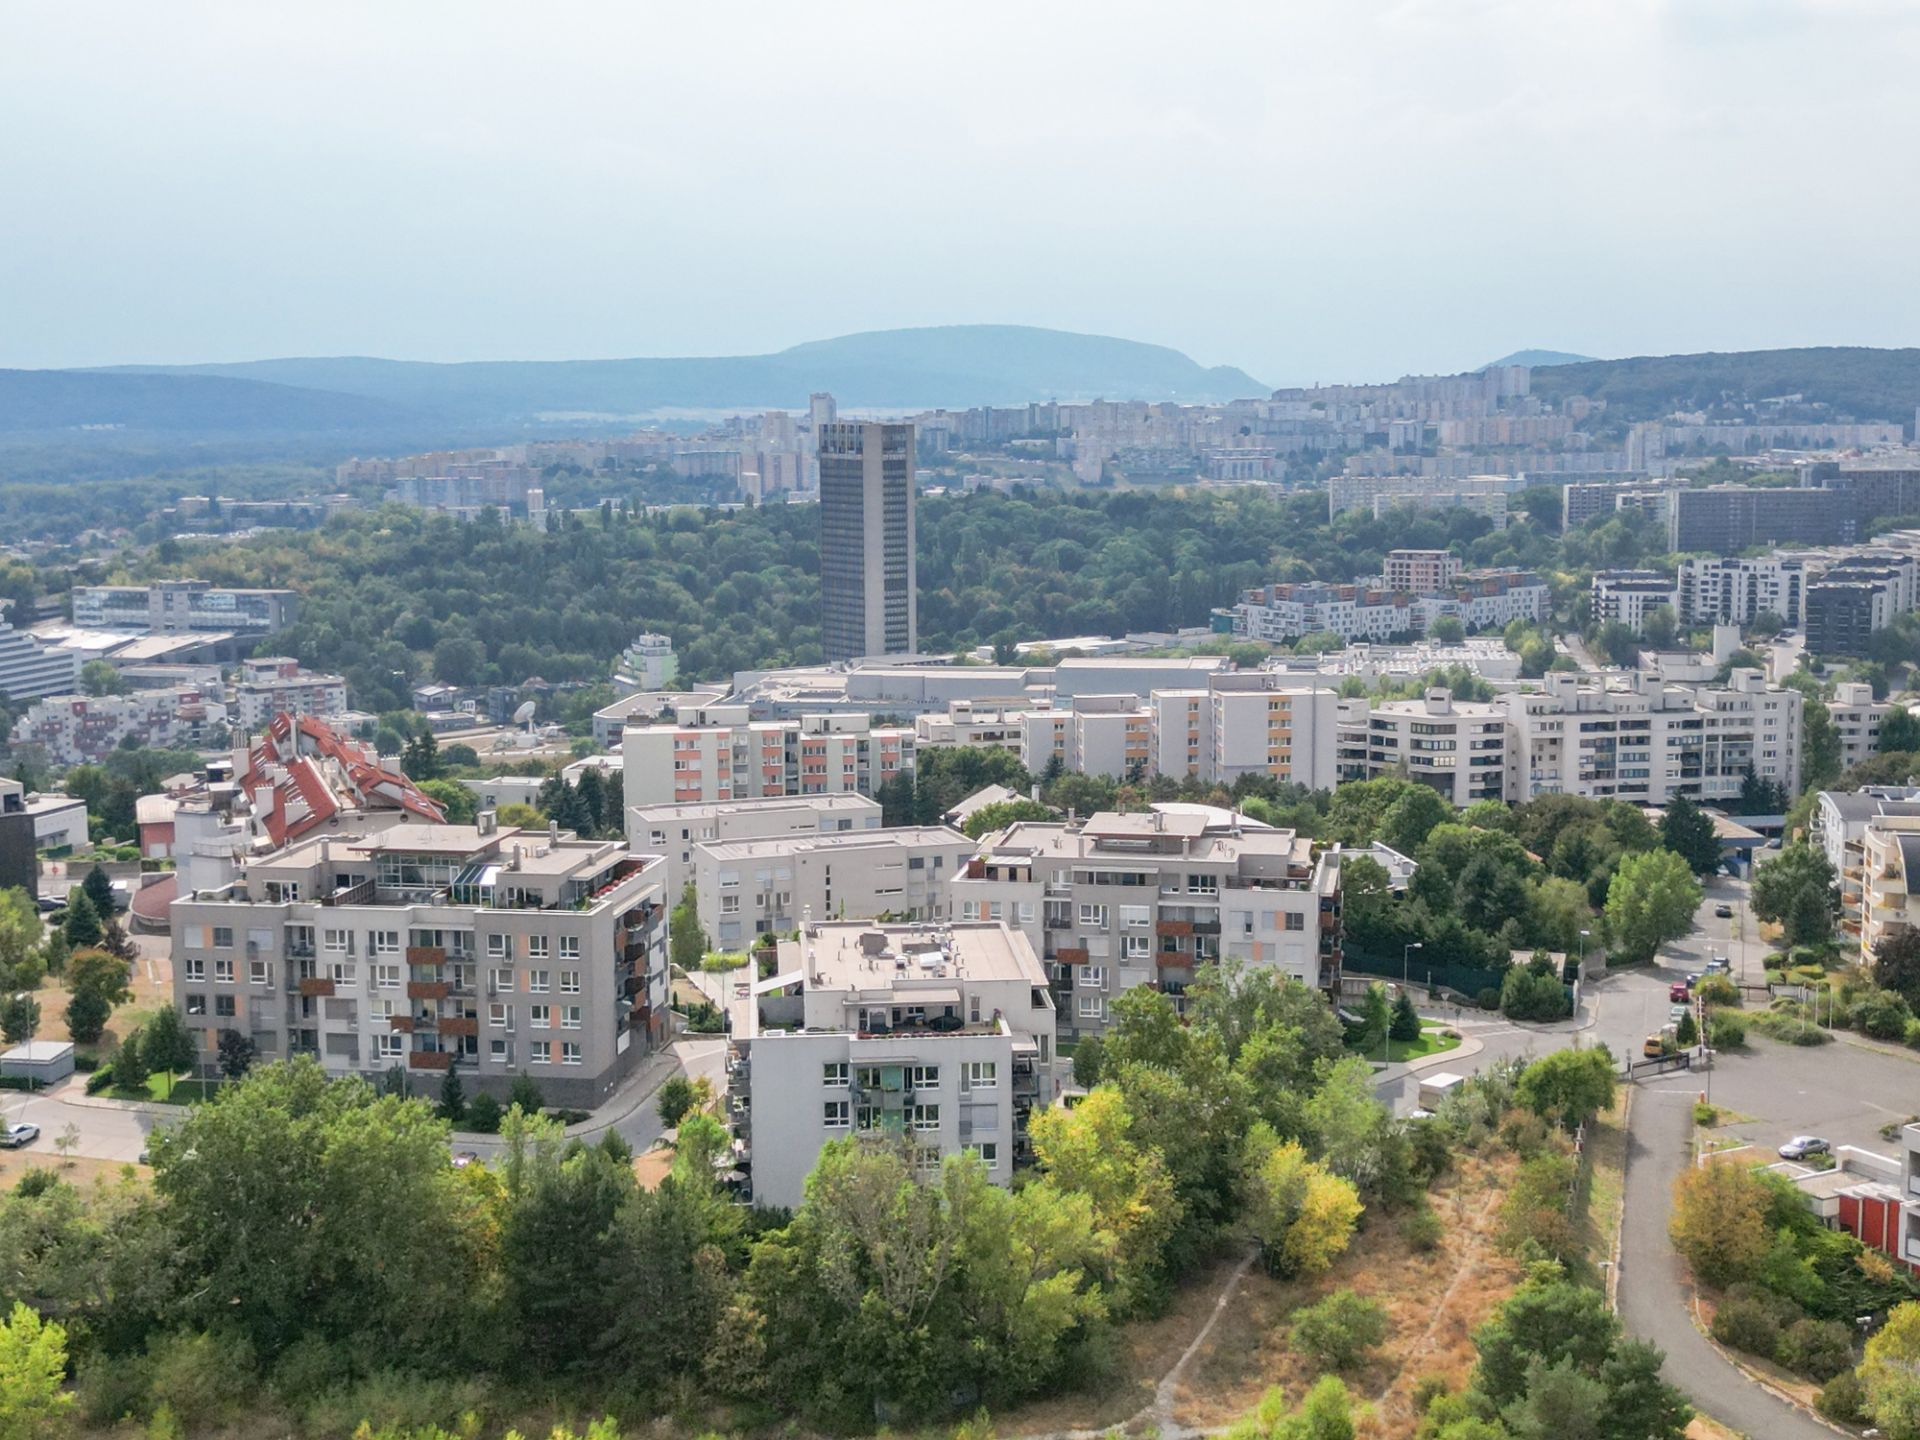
column 1889, row 875
column 1627, row 595
column 278, row 686
column 1857, row 717
column 1733, row 589
column 79, row 729
column 718, row 753
column 941, row 1036
column 1645, row 741
column 756, row 887
column 1459, row 748
column 671, row 831
column 1120, row 900
column 426, row 947
column 1838, row 827
column 1420, row 572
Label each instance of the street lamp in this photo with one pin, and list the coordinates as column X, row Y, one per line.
column 1406, row 964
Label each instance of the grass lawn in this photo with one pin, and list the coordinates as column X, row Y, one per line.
column 1434, row 1040
column 183, row 1092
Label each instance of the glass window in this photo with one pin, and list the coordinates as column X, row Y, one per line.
column 223, row 937
column 980, row 1075
column 223, row 1006
column 386, row 977
column 569, row 982
column 502, row 980
column 537, row 947
column 569, row 1017
column 338, row 941
column 834, row 1074
column 196, row 1004
column 570, row 1052
column 569, row 947
column 223, row 972
column 499, row 946
column 196, row 969
column 539, row 1052
column 540, row 1017
column 539, row 981
column 257, row 973
column 838, row 1114
column 499, row 1016
column 921, row 1076
column 925, row 1117
column 384, row 942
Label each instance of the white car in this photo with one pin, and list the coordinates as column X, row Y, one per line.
column 17, row 1134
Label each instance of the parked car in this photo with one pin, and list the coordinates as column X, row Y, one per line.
column 1801, row 1146
column 1677, row 1013
column 1723, row 910
column 1718, row 966
column 17, row 1134
column 1679, row 992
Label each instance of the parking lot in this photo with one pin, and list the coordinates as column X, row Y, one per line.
column 1840, row 1092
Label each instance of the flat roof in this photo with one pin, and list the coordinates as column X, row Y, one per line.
column 909, row 959
column 435, row 839
column 772, row 845
column 1053, row 840
column 708, row 809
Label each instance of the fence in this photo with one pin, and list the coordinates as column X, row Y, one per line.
column 1466, row 979
column 1641, row 1069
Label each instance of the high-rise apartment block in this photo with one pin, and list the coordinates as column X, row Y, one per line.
column 1627, row 595
column 867, row 566
column 426, row 947
column 1120, row 900
column 1734, row 589
column 941, row 1036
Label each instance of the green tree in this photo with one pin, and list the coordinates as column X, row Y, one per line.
column 676, row 1098
column 1568, row 1087
column 1528, row 994
column 455, row 800
column 97, row 972
column 483, row 1114
column 1376, row 1017
column 453, row 1096
column 1797, row 888
column 1651, row 900
column 19, row 1018
column 22, row 958
column 98, row 677
column 1088, row 1060
column 237, row 1054
column 131, row 1066
column 99, row 890
column 1336, row 1333
column 33, row 1366
column 1819, row 746
column 1412, row 816
column 1660, row 626
column 989, row 818
column 1890, row 1373
column 525, row 1093
column 1719, row 1222
column 1301, row 1213
column 87, row 1014
column 82, row 925
column 686, row 941
column 421, row 758
column 168, row 1045
column 1896, row 965
column 1899, row 732
column 1406, row 1019
column 1447, row 630
column 1687, row 830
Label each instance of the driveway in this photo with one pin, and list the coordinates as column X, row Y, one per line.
column 1653, row 1290
column 1736, row 939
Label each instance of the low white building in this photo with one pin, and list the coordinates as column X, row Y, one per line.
column 941, row 1036
column 671, row 831
column 767, row 886
column 1857, row 717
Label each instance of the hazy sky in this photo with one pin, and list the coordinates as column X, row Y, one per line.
column 1336, row 190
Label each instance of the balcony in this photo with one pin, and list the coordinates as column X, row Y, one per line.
column 459, row 1025
column 1068, row 955
column 426, row 955
column 1174, row 927
column 429, row 1060
column 400, row 1024
column 426, row 990
column 314, row 987
column 1206, row 927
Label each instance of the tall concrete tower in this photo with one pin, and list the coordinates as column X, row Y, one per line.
column 868, row 576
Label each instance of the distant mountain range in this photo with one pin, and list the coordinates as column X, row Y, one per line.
column 1539, row 359
column 954, row 366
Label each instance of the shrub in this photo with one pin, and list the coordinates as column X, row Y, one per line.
column 1717, row 990
column 483, row 1115
column 1705, row 1114
column 101, row 1079
column 1789, row 1027
column 110, row 1387
column 1726, row 1030
column 676, row 1098
column 1336, row 1333
column 1488, row 999
column 1423, row 1229
column 1534, row 1217
column 1880, row 1014
column 207, row 1379
column 1912, row 1036
column 1843, row 1399
column 1820, row 1349
column 393, row 1399
column 1527, row 996
column 1748, row 1323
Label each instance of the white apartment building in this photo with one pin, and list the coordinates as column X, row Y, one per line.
column 938, row 1035
column 671, row 831
column 1734, row 590
column 647, row 664
column 1644, row 741
column 1481, row 600
column 30, row 668
column 1116, row 901
column 1627, row 595
column 432, row 946
column 718, row 752
column 1889, row 882
column 278, row 686
column 751, row 888
column 1839, row 825
column 973, row 725
column 1457, row 747
column 1857, row 716
column 176, row 606
column 74, row 729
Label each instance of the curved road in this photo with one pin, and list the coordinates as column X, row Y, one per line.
column 1653, row 1290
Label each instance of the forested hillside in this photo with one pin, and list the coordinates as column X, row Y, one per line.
column 395, row 595
column 1854, row 380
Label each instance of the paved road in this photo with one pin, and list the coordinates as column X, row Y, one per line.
column 1653, row 1296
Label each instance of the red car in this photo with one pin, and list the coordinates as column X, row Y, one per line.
column 1678, row 992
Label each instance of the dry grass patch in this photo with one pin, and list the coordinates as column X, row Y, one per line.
column 81, row 1170
column 1433, row 1300
column 152, row 988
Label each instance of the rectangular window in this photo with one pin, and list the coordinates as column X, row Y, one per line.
column 344, row 974
column 540, row 1017
column 570, row 1052
column 1092, row 977
column 384, row 942
column 539, row 981
column 502, row 981
column 569, row 1017
column 1136, row 947
column 1092, row 1007
column 834, row 1074
column 222, row 971
column 1296, row 921
column 499, row 947
column 537, row 947
column 979, row 1075
column 386, row 977
column 838, row 1114
column 1136, row 917
column 569, row 982
column 539, row 1052
column 922, row 1076
column 925, row 1117
column 338, row 941
column 500, row 1017
column 569, row 947
column 989, row 1153
column 1094, row 917
column 389, row 1047
column 223, row 1006
column 196, row 969
column 500, row 1050
column 257, row 973
column 196, row 1004
column 380, row 1011
column 223, row 937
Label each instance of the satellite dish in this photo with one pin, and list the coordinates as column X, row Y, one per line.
column 524, row 714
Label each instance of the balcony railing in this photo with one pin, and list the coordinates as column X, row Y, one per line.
column 427, row 989
column 429, row 1060
column 313, row 987
column 459, row 1025
column 426, row 955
